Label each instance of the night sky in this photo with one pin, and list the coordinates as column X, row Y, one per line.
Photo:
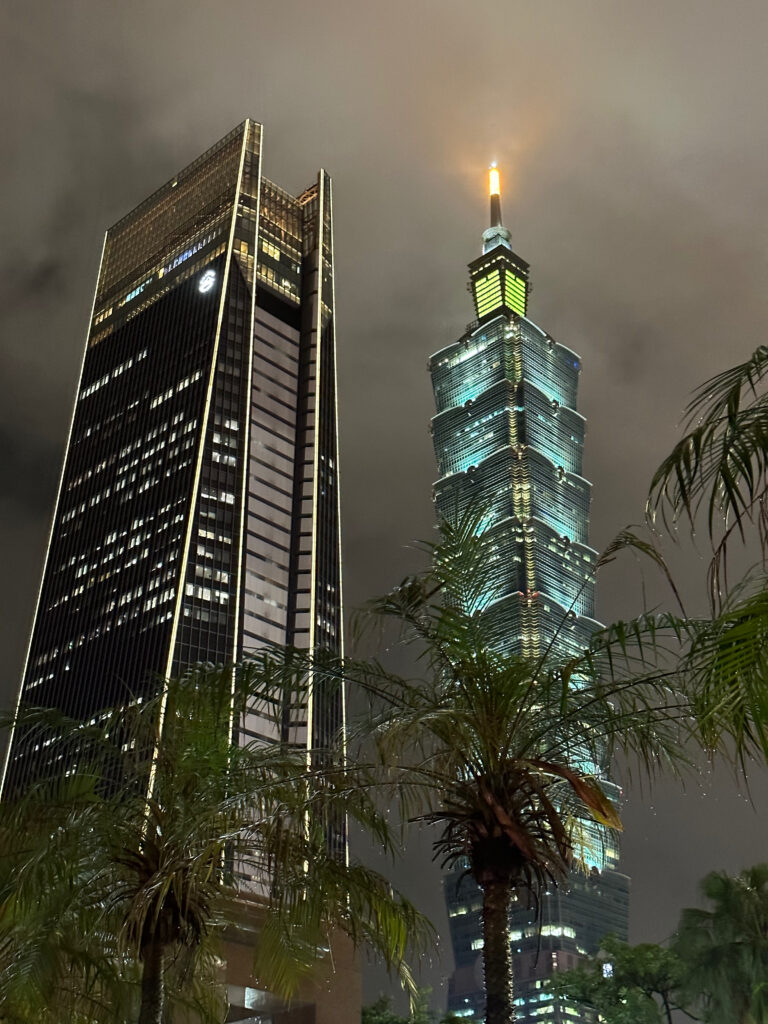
column 633, row 141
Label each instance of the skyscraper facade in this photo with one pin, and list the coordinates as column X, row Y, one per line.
column 508, row 438
column 197, row 516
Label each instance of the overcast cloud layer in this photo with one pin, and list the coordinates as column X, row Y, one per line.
column 634, row 145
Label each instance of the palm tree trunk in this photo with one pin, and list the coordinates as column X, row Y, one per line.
column 497, row 954
column 152, row 983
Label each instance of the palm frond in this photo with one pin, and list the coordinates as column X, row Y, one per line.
column 629, row 540
column 719, row 467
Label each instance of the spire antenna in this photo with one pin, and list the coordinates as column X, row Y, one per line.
column 496, row 234
column 494, row 189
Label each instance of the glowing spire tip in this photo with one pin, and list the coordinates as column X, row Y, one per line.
column 494, row 184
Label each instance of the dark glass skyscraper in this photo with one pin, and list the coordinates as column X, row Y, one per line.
column 198, row 508
column 508, row 437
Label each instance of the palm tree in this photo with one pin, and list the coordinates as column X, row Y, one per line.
column 725, row 949
column 500, row 754
column 718, row 473
column 715, row 483
column 152, row 875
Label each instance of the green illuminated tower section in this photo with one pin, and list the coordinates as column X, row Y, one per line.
column 508, row 437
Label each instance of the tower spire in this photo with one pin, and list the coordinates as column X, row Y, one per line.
column 496, row 234
column 494, row 189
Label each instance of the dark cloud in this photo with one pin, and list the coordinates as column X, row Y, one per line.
column 633, row 141
column 30, row 284
column 33, row 468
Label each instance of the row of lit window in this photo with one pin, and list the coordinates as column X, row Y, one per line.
column 87, row 474
column 226, row 497
column 283, row 284
column 270, row 248
column 210, row 615
column 175, row 389
column 125, row 481
column 185, row 255
column 162, row 445
column 158, row 599
column 40, row 680
column 150, row 435
column 92, row 388
column 218, row 537
column 206, row 593
column 140, row 443
column 115, row 569
column 222, row 459
column 206, row 572
column 463, row 909
column 273, row 235
column 134, row 292
column 219, row 438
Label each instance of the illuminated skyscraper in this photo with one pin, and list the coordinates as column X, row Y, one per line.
column 197, row 516
column 507, row 436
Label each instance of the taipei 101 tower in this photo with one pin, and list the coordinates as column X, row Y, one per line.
column 508, row 438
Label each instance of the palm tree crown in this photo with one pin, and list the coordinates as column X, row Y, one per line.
column 498, row 752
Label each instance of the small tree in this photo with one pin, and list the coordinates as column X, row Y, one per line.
column 381, row 1012
column 627, row 984
column 715, row 968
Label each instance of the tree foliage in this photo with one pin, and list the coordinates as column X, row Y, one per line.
column 118, row 878
column 627, row 984
column 715, row 482
column 719, row 468
column 725, row 948
column 500, row 754
column 715, row 968
column 381, row 1012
